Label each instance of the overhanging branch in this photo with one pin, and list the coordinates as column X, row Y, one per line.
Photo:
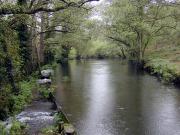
column 13, row 9
column 120, row 40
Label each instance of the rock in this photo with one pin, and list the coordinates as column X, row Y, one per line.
column 44, row 81
column 69, row 129
column 47, row 73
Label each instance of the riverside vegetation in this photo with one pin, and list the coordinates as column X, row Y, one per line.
column 38, row 32
column 24, row 49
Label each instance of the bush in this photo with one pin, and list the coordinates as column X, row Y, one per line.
column 49, row 66
column 45, row 91
column 19, row 101
column 2, row 130
column 72, row 53
column 51, row 130
column 98, row 48
column 17, row 128
column 58, row 118
column 4, row 102
column 162, row 68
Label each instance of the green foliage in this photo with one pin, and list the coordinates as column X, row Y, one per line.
column 100, row 48
column 17, row 128
column 23, row 37
column 162, row 68
column 8, row 49
column 4, row 101
column 72, row 53
column 47, row 66
column 51, row 130
column 2, row 130
column 44, row 91
column 136, row 24
column 58, row 118
column 19, row 101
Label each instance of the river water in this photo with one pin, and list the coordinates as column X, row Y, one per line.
column 109, row 97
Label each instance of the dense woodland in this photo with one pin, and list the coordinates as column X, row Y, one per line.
column 37, row 32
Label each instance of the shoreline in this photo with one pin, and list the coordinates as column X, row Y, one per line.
column 42, row 108
column 164, row 72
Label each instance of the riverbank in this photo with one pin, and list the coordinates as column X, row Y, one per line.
column 164, row 62
column 165, row 69
column 35, row 110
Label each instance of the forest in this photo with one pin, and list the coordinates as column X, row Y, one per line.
column 35, row 34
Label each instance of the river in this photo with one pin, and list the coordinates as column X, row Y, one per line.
column 109, row 97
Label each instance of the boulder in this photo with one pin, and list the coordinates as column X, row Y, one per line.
column 47, row 73
column 44, row 81
column 69, row 129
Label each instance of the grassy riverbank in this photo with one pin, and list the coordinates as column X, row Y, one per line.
column 164, row 62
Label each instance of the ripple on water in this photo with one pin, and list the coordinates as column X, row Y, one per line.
column 26, row 117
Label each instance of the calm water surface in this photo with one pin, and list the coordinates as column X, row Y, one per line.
column 108, row 97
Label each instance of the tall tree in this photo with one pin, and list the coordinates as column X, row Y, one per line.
column 23, row 35
column 135, row 24
column 9, row 56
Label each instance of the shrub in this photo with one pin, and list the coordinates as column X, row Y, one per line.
column 51, row 130
column 17, row 102
column 17, row 128
column 44, row 92
column 162, row 68
column 2, row 130
column 4, row 100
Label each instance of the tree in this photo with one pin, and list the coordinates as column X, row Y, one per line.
column 9, row 56
column 35, row 6
column 70, row 25
column 135, row 24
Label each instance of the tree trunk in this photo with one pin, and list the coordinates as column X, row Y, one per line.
column 139, row 47
column 23, row 35
column 42, row 35
column 34, row 57
column 9, row 68
column 8, row 64
column 123, row 54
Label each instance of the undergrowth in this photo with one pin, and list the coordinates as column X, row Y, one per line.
column 162, row 68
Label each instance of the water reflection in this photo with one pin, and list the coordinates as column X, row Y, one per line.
column 111, row 98
column 100, row 101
